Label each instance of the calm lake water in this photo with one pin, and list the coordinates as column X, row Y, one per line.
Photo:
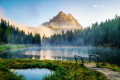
column 63, row 53
column 33, row 74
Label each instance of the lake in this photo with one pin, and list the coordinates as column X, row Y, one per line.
column 110, row 55
column 33, row 74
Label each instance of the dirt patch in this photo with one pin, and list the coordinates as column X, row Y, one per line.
column 112, row 75
column 90, row 65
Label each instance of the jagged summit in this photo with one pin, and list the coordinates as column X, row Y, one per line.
column 61, row 12
column 62, row 20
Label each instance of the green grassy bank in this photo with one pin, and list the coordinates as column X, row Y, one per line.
column 64, row 70
column 6, row 47
column 109, row 66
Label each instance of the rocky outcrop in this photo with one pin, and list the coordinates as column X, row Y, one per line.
column 63, row 20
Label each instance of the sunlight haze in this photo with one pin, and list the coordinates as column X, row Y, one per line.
column 35, row 12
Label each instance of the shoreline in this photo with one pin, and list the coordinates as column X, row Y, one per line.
column 64, row 70
column 14, row 46
column 7, row 47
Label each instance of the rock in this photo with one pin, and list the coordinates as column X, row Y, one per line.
column 62, row 20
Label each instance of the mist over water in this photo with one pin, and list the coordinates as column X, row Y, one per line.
column 63, row 53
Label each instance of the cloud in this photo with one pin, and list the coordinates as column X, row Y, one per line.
column 118, row 13
column 95, row 5
column 1, row 13
column 41, row 29
column 12, row 22
column 98, row 6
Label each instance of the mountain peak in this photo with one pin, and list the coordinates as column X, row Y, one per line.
column 63, row 20
column 61, row 12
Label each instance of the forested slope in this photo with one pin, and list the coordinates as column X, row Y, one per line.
column 105, row 33
column 10, row 34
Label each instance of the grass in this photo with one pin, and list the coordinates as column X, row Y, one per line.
column 6, row 47
column 109, row 66
column 64, row 70
column 5, row 74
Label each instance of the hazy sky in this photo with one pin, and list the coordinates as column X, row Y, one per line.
column 35, row 12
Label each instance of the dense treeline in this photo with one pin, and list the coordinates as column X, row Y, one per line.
column 105, row 33
column 9, row 34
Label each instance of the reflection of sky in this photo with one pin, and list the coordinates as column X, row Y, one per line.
column 60, row 53
column 52, row 54
column 63, row 53
column 33, row 74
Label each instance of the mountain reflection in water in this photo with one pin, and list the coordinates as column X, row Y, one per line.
column 63, row 53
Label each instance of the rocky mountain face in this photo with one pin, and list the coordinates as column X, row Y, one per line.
column 63, row 20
